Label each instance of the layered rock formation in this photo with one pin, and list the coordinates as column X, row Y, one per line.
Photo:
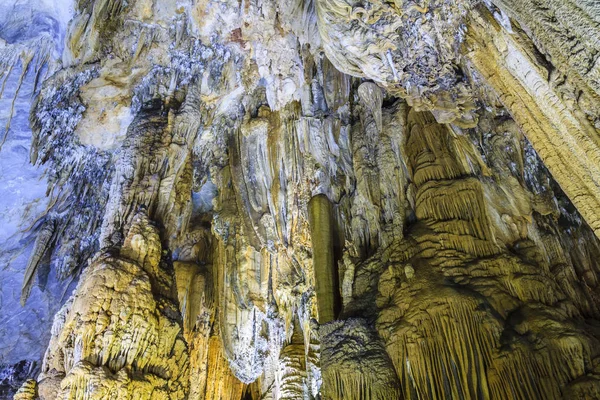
column 120, row 335
column 317, row 199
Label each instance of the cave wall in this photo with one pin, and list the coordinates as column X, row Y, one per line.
column 292, row 199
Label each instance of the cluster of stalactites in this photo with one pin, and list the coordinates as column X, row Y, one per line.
column 409, row 50
column 365, row 173
column 32, row 56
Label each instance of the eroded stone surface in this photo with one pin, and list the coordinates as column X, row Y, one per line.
column 120, row 334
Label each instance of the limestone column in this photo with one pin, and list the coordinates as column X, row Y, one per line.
column 564, row 138
column 321, row 230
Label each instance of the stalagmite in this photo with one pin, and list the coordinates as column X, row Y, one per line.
column 354, row 363
column 119, row 334
column 28, row 391
column 451, row 326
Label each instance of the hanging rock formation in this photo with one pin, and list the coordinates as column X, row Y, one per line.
column 327, row 292
column 335, row 199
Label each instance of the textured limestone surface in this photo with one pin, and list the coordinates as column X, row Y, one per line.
column 120, row 335
column 305, row 199
column 26, row 29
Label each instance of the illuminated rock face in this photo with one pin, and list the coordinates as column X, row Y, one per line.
column 120, row 334
column 296, row 199
column 478, row 289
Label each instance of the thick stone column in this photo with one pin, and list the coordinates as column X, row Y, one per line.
column 321, row 231
column 561, row 135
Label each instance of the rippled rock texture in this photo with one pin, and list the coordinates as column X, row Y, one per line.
column 269, row 199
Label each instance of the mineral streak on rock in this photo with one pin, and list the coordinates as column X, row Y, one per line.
column 269, row 199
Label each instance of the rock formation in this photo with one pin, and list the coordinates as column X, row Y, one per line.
column 268, row 199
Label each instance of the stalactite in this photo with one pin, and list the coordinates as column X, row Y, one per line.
column 321, row 223
column 372, row 98
column 41, row 247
